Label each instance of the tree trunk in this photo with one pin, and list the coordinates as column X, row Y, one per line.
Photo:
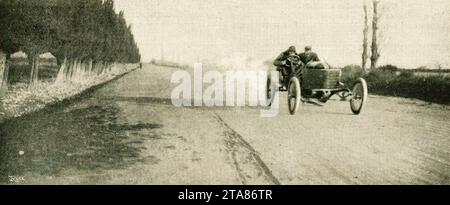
column 90, row 67
column 60, row 61
column 4, row 71
column 69, row 69
column 375, row 53
column 61, row 77
column 365, row 56
column 33, row 60
column 76, row 71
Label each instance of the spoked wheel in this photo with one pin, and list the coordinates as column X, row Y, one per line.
column 359, row 96
column 294, row 95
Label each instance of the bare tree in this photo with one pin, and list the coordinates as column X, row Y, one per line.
column 365, row 55
column 375, row 51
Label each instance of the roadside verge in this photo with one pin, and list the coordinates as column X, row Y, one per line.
column 20, row 101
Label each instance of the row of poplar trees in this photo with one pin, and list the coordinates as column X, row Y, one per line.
column 85, row 36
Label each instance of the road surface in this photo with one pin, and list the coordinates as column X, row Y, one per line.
column 128, row 132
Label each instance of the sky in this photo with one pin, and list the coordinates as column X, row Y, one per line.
column 413, row 33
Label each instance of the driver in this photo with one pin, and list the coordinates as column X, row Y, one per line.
column 280, row 61
column 308, row 56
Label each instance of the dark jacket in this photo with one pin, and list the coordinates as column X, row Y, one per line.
column 309, row 56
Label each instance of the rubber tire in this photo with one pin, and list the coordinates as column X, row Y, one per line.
column 294, row 86
column 269, row 94
column 359, row 82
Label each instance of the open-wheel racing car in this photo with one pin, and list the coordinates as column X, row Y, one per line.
column 315, row 80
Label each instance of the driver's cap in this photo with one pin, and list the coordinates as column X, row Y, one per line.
column 308, row 48
column 292, row 49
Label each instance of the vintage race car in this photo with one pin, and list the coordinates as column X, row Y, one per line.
column 315, row 80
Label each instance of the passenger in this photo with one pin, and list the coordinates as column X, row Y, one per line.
column 308, row 56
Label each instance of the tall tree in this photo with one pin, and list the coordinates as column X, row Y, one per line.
column 83, row 35
column 9, row 38
column 32, row 19
column 365, row 55
column 375, row 49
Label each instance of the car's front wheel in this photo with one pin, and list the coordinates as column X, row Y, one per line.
column 294, row 95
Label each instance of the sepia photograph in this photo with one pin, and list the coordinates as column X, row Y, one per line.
column 224, row 92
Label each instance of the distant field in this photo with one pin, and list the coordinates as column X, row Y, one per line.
column 425, row 72
column 431, row 73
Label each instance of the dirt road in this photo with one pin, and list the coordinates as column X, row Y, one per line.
column 128, row 132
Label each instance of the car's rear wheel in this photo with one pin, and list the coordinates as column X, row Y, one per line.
column 294, row 95
column 359, row 96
